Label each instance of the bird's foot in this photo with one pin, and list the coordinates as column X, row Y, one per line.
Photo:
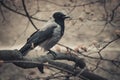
column 41, row 68
column 52, row 52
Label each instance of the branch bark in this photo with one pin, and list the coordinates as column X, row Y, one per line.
column 14, row 56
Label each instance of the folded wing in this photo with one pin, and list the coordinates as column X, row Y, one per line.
column 37, row 38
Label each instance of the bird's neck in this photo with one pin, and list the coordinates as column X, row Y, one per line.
column 61, row 23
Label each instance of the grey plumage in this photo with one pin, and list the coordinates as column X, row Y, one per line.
column 48, row 36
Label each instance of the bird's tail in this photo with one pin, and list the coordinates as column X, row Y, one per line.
column 25, row 49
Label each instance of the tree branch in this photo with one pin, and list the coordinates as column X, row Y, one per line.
column 27, row 14
column 7, row 7
column 14, row 56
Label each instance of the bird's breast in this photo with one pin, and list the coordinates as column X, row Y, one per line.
column 56, row 36
column 57, row 32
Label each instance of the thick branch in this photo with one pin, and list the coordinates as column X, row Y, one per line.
column 10, row 55
column 15, row 57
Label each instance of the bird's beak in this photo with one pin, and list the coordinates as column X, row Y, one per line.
column 67, row 17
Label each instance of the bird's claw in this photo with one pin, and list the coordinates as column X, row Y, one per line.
column 53, row 53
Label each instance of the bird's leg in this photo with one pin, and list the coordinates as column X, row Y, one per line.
column 52, row 52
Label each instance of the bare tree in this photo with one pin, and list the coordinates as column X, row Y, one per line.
column 84, row 65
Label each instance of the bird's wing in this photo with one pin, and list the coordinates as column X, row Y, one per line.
column 32, row 35
column 37, row 38
column 42, row 35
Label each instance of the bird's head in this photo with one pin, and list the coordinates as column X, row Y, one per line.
column 59, row 16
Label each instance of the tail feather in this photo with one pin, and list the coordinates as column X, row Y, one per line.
column 25, row 49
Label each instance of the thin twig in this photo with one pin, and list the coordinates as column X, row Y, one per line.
column 100, row 67
column 61, row 5
column 2, row 14
column 27, row 14
column 98, row 52
column 113, row 12
column 108, row 44
column 73, row 7
column 7, row 7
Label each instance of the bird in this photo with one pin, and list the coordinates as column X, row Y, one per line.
column 48, row 35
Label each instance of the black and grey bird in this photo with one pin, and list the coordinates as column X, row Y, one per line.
column 48, row 36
